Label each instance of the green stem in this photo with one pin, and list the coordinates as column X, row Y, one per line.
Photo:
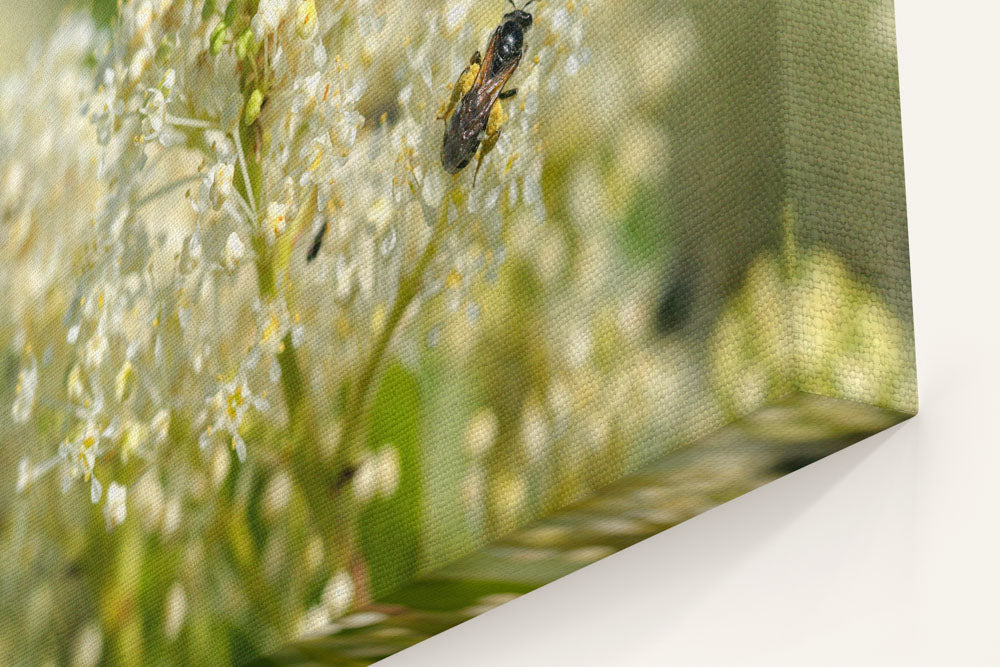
column 332, row 512
column 302, row 450
column 409, row 287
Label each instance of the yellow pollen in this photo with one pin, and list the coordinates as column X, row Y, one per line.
column 378, row 318
column 343, row 326
column 234, row 402
column 468, row 78
column 271, row 329
column 510, row 162
column 319, row 157
column 495, row 120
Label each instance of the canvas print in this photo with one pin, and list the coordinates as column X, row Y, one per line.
column 326, row 325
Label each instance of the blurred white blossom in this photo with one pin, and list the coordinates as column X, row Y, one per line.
column 188, row 165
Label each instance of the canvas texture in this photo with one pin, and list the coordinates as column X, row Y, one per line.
column 285, row 381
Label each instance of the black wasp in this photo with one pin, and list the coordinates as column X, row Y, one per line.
column 478, row 117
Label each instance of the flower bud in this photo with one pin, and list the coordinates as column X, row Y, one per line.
column 252, row 108
column 218, row 38
column 305, row 24
column 244, row 44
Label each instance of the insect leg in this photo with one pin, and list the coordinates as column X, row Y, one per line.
column 489, row 143
column 479, row 163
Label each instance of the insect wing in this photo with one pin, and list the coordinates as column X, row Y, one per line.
column 487, row 64
column 484, row 96
column 469, row 121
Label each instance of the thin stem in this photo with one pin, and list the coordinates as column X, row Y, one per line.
column 188, row 122
column 251, row 217
column 159, row 192
column 302, row 448
column 244, row 171
column 409, row 287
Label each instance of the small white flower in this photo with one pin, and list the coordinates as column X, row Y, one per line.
column 88, row 646
column 219, row 180
column 387, row 470
column 97, row 347
column 265, row 21
column 23, row 474
column 277, row 494
column 24, row 393
column 233, row 252
column 160, row 425
column 315, row 622
column 276, row 220
column 154, row 112
column 481, row 432
column 366, row 479
column 305, row 19
column 534, row 432
column 114, row 505
column 175, row 610
column 338, row 595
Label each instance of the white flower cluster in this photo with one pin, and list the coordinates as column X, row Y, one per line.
column 156, row 206
column 391, row 196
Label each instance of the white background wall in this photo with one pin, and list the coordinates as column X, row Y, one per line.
column 887, row 553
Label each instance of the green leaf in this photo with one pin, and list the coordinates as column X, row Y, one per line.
column 207, row 9
column 389, row 525
column 230, row 13
column 642, row 232
column 104, row 11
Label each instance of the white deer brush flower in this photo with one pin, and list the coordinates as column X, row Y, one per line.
column 187, row 168
column 25, row 392
column 229, row 406
column 391, row 196
column 114, row 507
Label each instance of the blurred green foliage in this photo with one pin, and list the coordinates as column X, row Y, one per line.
column 389, row 528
